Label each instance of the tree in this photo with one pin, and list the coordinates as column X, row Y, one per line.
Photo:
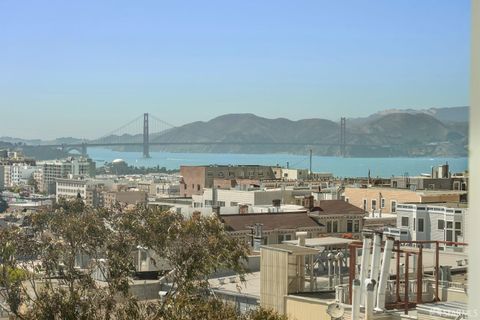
column 46, row 283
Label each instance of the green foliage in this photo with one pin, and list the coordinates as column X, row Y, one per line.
column 57, row 289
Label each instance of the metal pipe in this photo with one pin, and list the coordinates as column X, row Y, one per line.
column 351, row 272
column 398, row 272
column 335, row 271
column 407, row 258
column 376, row 255
column 330, row 275
column 364, row 264
column 385, row 274
column 356, row 299
column 340, row 265
column 420, row 275
column 370, row 299
column 437, row 270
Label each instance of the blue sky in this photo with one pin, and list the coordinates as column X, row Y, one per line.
column 83, row 68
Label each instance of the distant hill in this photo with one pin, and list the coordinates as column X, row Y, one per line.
column 388, row 134
column 431, row 132
column 455, row 114
column 446, row 115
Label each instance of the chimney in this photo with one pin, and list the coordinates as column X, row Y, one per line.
column 277, row 203
column 243, row 209
column 301, row 236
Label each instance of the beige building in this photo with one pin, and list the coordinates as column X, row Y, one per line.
column 195, row 178
column 374, row 199
column 339, row 218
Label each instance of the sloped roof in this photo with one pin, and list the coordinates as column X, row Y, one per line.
column 332, row 207
column 270, row 221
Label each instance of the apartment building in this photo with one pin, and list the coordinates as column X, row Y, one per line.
column 249, row 197
column 339, row 217
column 271, row 228
column 195, row 178
column 288, row 174
column 433, row 222
column 58, row 169
column 386, row 200
column 15, row 170
column 71, row 188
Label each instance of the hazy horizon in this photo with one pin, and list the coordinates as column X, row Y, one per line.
column 82, row 69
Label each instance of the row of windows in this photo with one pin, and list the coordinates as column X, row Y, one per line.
column 352, row 226
column 393, row 204
column 420, row 225
column 62, row 190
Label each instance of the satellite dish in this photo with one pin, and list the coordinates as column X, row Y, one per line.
column 335, row 310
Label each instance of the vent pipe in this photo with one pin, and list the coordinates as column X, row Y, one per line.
column 357, row 287
column 385, row 273
column 370, row 286
column 330, row 258
column 365, row 263
column 377, row 251
column 301, row 236
column 340, row 265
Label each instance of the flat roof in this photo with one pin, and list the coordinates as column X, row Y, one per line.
column 322, row 242
column 292, row 249
column 447, row 310
column 232, row 284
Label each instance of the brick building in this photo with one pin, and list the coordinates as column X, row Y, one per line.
column 195, row 178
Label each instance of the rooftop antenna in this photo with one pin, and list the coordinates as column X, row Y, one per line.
column 310, row 171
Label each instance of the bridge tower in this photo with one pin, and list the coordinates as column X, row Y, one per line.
column 343, row 134
column 84, row 149
column 146, row 143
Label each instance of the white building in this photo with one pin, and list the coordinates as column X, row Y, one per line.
column 441, row 222
column 58, row 169
column 249, row 197
column 71, row 188
column 16, row 174
column 288, row 174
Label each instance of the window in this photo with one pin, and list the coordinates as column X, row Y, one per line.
column 198, row 187
column 449, row 235
column 365, row 204
column 394, row 206
column 284, row 237
column 374, row 204
column 233, row 204
column 404, row 221
column 420, row 225
column 349, row 225
column 458, row 234
column 449, row 224
column 414, row 223
column 356, row 226
column 458, row 225
column 335, row 227
column 329, row 226
column 382, row 203
column 441, row 224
